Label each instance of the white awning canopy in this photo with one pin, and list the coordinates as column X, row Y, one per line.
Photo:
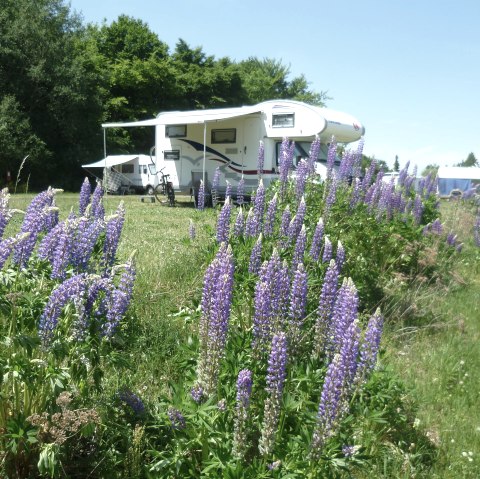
column 111, row 160
column 189, row 117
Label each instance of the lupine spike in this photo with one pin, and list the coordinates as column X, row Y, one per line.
column 244, row 390
column 316, row 246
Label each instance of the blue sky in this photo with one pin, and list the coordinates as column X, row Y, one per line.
column 409, row 70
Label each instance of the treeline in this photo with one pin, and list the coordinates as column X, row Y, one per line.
column 60, row 79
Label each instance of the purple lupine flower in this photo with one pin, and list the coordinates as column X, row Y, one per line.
column 120, row 300
column 286, row 218
column 133, row 401
column 244, row 391
column 241, row 191
column 340, row 258
column 5, row 211
column 332, row 194
column 261, row 158
column 7, row 245
column 63, row 250
column 270, row 301
column 370, row 346
column 259, row 203
column 476, row 231
column 98, row 295
column 239, row 223
column 298, row 306
column 300, row 246
column 331, row 156
column 113, row 230
column 88, row 232
column 285, row 164
column 197, row 393
column 270, row 216
column 344, row 313
column 201, row 197
column 276, row 374
column 451, row 238
column 37, row 219
column 313, row 154
column 252, row 226
column 96, row 208
column 418, row 207
column 437, row 227
column 367, row 179
column 323, row 325
column 222, row 405
column 336, row 390
column 228, row 189
column 316, row 246
column 215, row 305
column 255, row 256
column 46, row 248
column 84, row 200
column 297, row 221
column 216, row 178
column 191, row 230
column 67, row 291
column 459, row 247
column 345, row 171
column 402, row 175
column 223, row 222
column 357, row 159
column 356, row 192
column 177, row 420
column 327, row 250
column 301, row 178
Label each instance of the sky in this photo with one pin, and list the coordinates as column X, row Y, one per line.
column 409, row 70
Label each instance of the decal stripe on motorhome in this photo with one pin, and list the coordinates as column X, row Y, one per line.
column 199, row 147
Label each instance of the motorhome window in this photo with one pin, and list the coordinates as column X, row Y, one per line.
column 171, row 155
column 225, row 135
column 153, row 169
column 286, row 120
column 175, row 131
column 142, row 169
column 298, row 154
column 128, row 168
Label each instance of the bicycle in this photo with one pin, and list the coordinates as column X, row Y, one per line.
column 165, row 188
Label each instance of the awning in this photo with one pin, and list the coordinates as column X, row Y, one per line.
column 111, row 160
column 189, row 117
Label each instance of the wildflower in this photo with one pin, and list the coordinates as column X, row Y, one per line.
column 223, row 223
column 331, row 156
column 7, row 245
column 74, row 287
column 259, row 203
column 298, row 304
column 418, row 207
column 270, row 216
column 197, row 393
column 276, row 374
column 84, row 200
column 332, row 193
column 239, row 223
column 325, row 307
column 255, row 257
column 286, row 218
column 222, row 405
column 96, row 208
column 132, row 400
column 296, row 224
column 301, row 178
column 201, row 197
column 327, row 250
column 216, row 178
column 370, row 345
column 252, row 226
column 244, row 390
column 87, row 234
column 313, row 154
column 317, row 240
column 300, row 246
column 476, row 231
column 63, row 252
column 367, row 179
column 216, row 303
column 340, row 259
column 261, row 158
column 5, row 212
column 241, row 191
column 177, row 420
column 228, row 189
column 113, row 230
column 191, row 230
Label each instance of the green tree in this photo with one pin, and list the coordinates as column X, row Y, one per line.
column 396, row 165
column 431, row 169
column 470, row 161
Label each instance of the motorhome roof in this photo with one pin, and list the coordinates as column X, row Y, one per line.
column 463, row 172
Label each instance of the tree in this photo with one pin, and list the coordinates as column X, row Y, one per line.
column 396, row 165
column 431, row 169
column 470, row 161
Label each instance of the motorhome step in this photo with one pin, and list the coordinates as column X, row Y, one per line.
column 147, row 199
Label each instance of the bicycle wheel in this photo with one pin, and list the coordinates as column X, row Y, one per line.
column 159, row 192
column 170, row 194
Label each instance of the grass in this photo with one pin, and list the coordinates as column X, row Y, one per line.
column 437, row 358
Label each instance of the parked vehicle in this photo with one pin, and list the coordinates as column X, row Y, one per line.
column 190, row 145
column 455, row 179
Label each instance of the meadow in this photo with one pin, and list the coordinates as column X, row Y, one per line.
column 154, row 412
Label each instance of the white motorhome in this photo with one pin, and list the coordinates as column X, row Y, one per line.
column 457, row 179
column 190, row 145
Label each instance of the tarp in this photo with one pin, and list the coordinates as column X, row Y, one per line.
column 189, row 117
column 446, row 185
column 111, row 160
